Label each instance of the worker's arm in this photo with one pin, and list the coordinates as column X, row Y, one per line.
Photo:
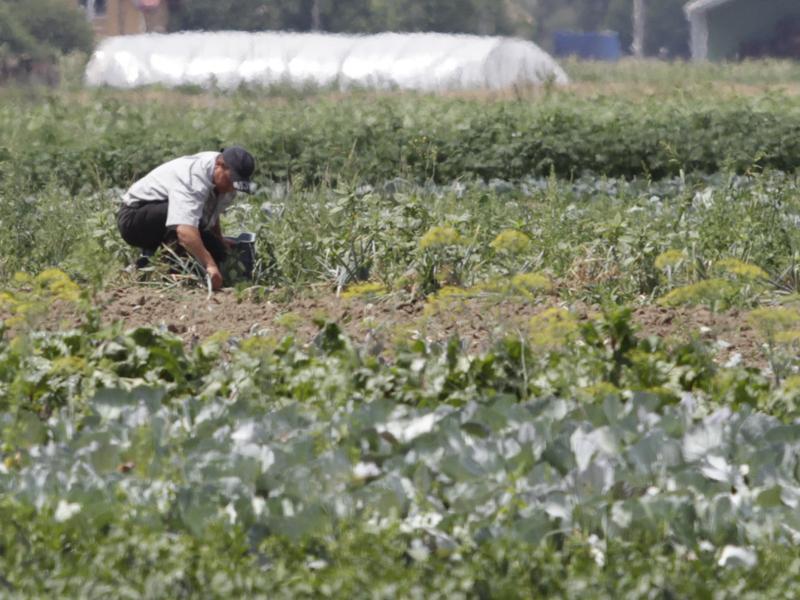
column 217, row 231
column 189, row 238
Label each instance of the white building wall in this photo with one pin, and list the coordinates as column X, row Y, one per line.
column 699, row 36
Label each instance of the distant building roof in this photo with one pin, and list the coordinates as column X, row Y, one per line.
column 696, row 6
column 732, row 29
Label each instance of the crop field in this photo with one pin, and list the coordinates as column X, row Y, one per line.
column 541, row 343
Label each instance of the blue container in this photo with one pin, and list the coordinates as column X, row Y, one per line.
column 601, row 45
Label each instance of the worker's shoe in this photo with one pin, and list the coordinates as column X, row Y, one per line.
column 144, row 258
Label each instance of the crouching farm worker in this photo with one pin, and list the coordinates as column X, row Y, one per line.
column 182, row 201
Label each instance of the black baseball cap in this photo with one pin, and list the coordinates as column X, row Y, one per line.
column 241, row 164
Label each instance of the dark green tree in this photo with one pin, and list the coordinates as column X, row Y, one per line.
column 352, row 16
column 42, row 28
column 15, row 39
column 242, row 15
column 534, row 19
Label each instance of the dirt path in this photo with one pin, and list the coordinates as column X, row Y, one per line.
column 478, row 322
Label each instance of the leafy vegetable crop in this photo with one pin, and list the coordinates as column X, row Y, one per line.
column 578, row 457
column 612, row 443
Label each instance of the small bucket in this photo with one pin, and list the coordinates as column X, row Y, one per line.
column 245, row 250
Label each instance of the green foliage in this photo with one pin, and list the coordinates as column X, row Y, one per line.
column 353, row 16
column 56, row 24
column 771, row 322
column 38, row 29
column 600, row 237
column 638, row 77
column 286, row 470
column 779, row 327
column 666, row 24
column 574, row 457
column 737, row 283
column 15, row 39
column 443, row 258
column 592, row 239
column 55, row 228
column 379, row 139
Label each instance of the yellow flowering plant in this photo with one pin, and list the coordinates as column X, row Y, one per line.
column 734, row 282
column 718, row 294
column 738, row 269
column 32, row 297
column 779, row 326
column 370, row 290
column 671, row 263
column 553, row 328
column 512, row 251
column 511, row 242
column 442, row 258
column 439, row 237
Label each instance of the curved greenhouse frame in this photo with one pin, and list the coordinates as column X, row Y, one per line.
column 415, row 61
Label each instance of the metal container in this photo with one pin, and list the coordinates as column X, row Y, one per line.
column 245, row 250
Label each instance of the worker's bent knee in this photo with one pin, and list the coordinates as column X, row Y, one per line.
column 143, row 226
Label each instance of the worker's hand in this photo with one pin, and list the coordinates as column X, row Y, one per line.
column 189, row 237
column 216, row 277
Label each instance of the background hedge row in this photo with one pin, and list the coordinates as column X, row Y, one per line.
column 101, row 140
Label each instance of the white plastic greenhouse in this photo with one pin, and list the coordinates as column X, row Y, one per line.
column 414, row 61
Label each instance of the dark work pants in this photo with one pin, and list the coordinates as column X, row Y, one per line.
column 144, row 225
